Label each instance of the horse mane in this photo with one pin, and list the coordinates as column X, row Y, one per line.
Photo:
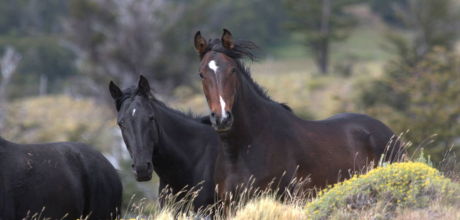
column 242, row 49
column 132, row 92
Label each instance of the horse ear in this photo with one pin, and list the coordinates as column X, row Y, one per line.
column 115, row 92
column 200, row 43
column 227, row 39
column 144, row 86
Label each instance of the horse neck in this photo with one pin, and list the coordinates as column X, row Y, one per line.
column 176, row 133
column 250, row 112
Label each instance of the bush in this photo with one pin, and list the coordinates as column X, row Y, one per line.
column 404, row 185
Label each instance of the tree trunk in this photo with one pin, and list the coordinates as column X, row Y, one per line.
column 323, row 45
column 324, row 56
column 320, row 50
column 9, row 63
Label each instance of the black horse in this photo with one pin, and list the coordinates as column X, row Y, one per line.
column 57, row 180
column 179, row 147
column 263, row 139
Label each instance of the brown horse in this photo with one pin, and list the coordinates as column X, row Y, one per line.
column 263, row 138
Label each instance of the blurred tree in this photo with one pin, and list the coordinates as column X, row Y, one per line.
column 321, row 22
column 119, row 40
column 34, row 28
column 262, row 19
column 9, row 64
column 29, row 17
column 423, row 98
column 420, row 87
column 388, row 10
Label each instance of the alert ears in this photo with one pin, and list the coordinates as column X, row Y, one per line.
column 227, row 39
column 115, row 91
column 200, row 43
column 143, row 86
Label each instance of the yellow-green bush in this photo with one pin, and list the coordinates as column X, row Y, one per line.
column 409, row 184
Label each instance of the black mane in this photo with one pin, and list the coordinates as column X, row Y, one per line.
column 242, row 49
column 134, row 91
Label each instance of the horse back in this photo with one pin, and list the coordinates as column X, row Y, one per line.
column 53, row 176
column 381, row 139
column 340, row 144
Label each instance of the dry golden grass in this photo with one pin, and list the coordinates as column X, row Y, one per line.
column 440, row 204
column 434, row 211
column 267, row 208
column 59, row 118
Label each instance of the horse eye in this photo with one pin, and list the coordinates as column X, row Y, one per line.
column 120, row 123
column 234, row 70
column 201, row 75
column 151, row 118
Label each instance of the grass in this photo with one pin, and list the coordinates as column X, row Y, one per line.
column 410, row 189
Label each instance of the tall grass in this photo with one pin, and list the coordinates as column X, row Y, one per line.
column 411, row 188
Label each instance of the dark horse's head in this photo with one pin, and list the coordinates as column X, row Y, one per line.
column 136, row 119
column 219, row 63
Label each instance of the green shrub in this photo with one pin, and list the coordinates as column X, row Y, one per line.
column 405, row 185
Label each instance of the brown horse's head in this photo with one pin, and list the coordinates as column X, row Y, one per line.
column 217, row 71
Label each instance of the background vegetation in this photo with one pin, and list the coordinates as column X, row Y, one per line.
column 394, row 60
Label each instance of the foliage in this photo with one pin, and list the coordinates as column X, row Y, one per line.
column 419, row 88
column 434, row 23
column 388, row 10
column 29, row 17
column 263, row 20
column 42, row 56
column 424, row 97
column 33, row 27
column 409, row 184
column 321, row 22
column 119, row 40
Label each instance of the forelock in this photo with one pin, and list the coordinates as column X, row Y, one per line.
column 241, row 49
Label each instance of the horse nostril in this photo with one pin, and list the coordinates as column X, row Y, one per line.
column 213, row 117
column 229, row 114
column 133, row 169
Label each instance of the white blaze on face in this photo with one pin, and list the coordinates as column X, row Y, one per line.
column 222, row 105
column 134, row 111
column 212, row 65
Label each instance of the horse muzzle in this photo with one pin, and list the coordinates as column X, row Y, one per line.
column 142, row 172
column 222, row 123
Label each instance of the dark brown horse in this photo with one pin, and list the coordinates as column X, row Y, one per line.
column 262, row 138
